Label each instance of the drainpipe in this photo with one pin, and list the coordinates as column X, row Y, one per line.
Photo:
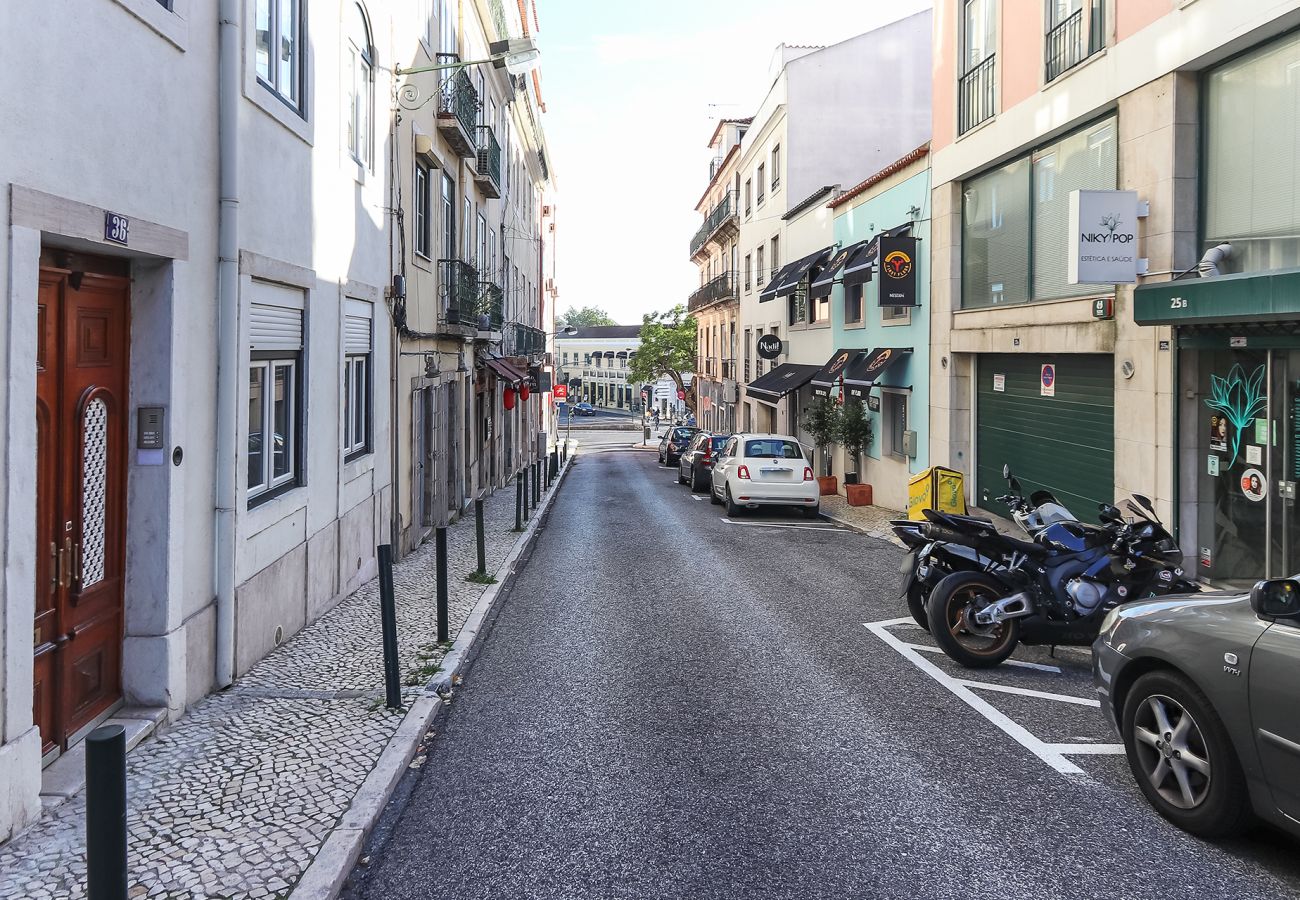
column 227, row 337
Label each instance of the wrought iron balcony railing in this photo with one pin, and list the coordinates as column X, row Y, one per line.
column 490, row 307
column 975, row 95
column 459, row 287
column 524, row 340
column 459, row 101
column 723, row 211
column 1064, row 47
column 488, row 170
column 724, row 286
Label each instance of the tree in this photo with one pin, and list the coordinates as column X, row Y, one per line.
column 586, row 317
column 668, row 344
column 821, row 420
column 854, row 432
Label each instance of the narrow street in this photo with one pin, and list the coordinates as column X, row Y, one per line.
column 671, row 704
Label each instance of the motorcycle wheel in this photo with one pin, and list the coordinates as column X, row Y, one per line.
column 949, row 608
column 916, row 606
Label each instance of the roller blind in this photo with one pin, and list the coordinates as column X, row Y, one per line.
column 995, row 237
column 1084, row 161
column 274, row 328
column 357, row 327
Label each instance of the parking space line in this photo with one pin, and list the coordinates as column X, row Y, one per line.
column 1039, row 667
column 1051, row 754
column 787, row 525
column 1089, row 749
column 1029, row 692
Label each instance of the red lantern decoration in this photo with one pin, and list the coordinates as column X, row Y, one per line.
column 681, row 395
column 523, row 392
column 508, row 398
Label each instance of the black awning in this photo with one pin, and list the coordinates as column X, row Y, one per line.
column 867, row 368
column 827, row 375
column 822, row 282
column 769, row 292
column 780, row 381
column 795, row 272
column 505, row 371
column 857, row 268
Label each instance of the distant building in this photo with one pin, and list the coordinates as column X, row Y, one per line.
column 594, row 361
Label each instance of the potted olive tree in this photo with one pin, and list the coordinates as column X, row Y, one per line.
column 821, row 421
column 854, row 434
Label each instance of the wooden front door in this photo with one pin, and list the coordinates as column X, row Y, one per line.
column 81, row 404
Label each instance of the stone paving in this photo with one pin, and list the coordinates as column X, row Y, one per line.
column 874, row 520
column 236, row 798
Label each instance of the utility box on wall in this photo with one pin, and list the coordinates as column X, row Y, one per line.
column 909, row 444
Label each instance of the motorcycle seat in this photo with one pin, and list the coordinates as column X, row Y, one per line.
column 1026, row 547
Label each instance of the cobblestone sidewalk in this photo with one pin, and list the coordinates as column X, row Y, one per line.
column 874, row 520
column 236, row 798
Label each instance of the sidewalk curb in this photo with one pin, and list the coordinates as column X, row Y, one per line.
column 338, row 855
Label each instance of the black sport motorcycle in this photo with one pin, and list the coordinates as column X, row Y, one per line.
column 1054, row 589
column 928, row 561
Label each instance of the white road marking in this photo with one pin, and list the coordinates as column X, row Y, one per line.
column 1039, row 667
column 786, row 525
column 698, row 497
column 1052, row 754
column 1089, row 749
column 1029, row 692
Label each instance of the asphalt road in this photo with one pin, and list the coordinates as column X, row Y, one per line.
column 672, row 705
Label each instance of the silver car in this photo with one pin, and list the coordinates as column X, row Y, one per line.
column 1205, row 692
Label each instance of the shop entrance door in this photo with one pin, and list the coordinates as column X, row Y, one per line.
column 1284, row 468
column 81, row 403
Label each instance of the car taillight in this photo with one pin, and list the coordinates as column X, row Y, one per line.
column 742, row 472
column 807, row 473
column 707, row 453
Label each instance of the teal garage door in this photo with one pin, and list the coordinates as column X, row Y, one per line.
column 1061, row 439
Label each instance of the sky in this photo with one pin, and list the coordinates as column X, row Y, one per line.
column 633, row 92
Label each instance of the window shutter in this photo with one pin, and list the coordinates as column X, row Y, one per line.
column 357, row 327
column 274, row 328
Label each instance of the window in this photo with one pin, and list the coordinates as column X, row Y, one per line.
column 749, row 195
column 797, row 305
column 853, row 304
column 274, row 380
column 448, row 11
column 357, row 378
column 759, row 257
column 896, row 407
column 361, row 102
column 749, row 272
column 1252, row 154
column 424, row 18
column 819, row 308
column 467, row 252
column 448, row 217
column 976, row 88
column 421, row 200
column 481, row 261
column 1015, row 233
column 776, row 254
column 896, row 313
column 279, row 53
column 762, row 183
column 776, row 167
column 980, row 36
column 1075, row 31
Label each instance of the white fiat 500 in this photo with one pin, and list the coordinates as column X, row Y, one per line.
column 756, row 470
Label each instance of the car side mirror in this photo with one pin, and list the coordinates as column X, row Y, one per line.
column 1276, row 599
column 1006, row 471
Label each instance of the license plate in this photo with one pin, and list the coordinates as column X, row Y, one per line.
column 776, row 470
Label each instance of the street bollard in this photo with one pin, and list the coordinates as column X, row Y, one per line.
column 478, row 536
column 537, row 483
column 106, row 813
column 645, row 435
column 555, row 464
column 388, row 628
column 519, row 502
column 440, row 541
column 523, row 473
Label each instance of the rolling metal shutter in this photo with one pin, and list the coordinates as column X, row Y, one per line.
column 274, row 328
column 1064, row 443
column 356, row 327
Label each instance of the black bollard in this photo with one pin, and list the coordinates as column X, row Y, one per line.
column 106, row 813
column 523, row 473
column 537, row 484
column 440, row 539
column 519, row 502
column 478, row 536
column 388, row 628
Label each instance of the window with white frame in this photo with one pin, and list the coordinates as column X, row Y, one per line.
column 358, row 374
column 448, row 27
column 280, row 52
column 758, row 260
column 361, row 95
column 275, row 335
column 776, row 167
column 421, row 203
column 749, row 272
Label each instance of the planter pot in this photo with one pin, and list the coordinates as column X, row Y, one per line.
column 827, row 485
column 850, row 478
column 858, row 494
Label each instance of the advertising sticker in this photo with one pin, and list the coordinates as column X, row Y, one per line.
column 1253, row 485
column 1219, row 433
column 1254, row 455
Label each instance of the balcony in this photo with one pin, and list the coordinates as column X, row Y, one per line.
column 458, row 284
column 487, row 173
column 489, row 309
column 524, row 340
column 1064, row 47
column 721, row 224
column 458, row 110
column 721, row 288
column 975, row 96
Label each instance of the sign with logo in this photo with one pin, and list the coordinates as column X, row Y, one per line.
column 1047, row 381
column 769, row 346
column 1103, row 237
column 561, row 392
column 898, row 271
column 873, row 403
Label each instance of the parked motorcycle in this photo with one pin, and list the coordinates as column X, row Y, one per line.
column 1054, row 589
column 928, row 562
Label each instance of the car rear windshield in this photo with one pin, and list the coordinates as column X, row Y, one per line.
column 719, row 441
column 684, row 434
column 773, row 448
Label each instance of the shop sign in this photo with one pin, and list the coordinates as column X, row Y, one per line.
column 769, row 346
column 1103, row 237
column 1047, row 381
column 873, row 403
column 1000, row 384
column 898, row 271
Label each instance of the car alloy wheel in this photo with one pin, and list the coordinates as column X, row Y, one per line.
column 1172, row 752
